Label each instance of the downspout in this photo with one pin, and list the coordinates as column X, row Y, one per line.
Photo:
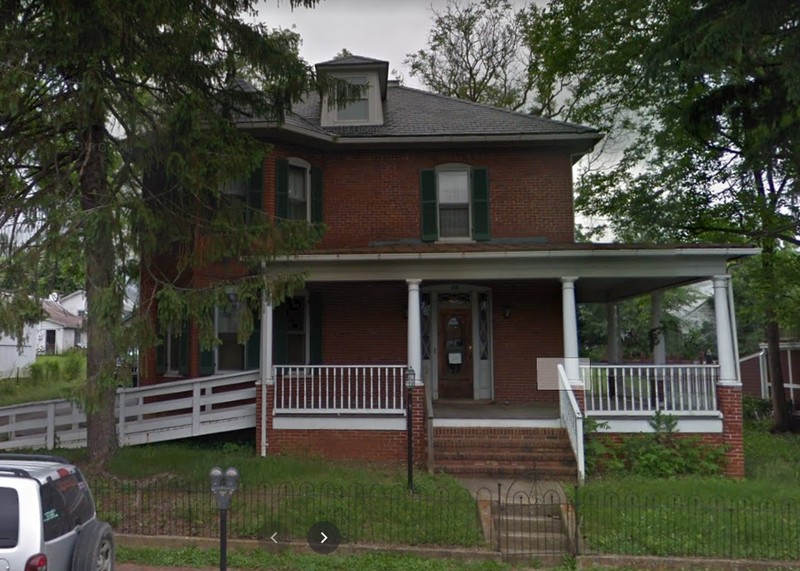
column 266, row 362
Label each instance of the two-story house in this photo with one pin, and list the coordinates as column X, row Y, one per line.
column 450, row 252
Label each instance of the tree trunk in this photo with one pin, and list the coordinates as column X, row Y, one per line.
column 780, row 413
column 103, row 304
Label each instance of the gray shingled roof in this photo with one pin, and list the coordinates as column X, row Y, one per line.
column 353, row 60
column 414, row 113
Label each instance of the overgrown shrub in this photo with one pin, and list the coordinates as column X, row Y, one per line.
column 36, row 372
column 52, row 371
column 73, row 364
column 660, row 454
column 755, row 409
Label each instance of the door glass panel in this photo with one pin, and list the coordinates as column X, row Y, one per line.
column 455, row 344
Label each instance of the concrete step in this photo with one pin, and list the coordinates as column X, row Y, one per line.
column 534, row 543
column 530, row 525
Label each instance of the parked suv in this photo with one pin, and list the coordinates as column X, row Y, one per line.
column 47, row 518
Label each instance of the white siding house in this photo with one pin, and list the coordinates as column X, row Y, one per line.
column 13, row 357
column 60, row 331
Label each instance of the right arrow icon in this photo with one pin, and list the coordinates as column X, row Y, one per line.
column 324, row 537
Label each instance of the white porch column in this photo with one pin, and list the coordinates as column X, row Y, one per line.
column 569, row 316
column 613, row 349
column 414, row 331
column 725, row 349
column 266, row 364
column 266, row 339
column 660, row 341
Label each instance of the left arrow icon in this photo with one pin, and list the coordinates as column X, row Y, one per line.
column 272, row 537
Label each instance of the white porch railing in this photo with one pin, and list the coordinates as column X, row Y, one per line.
column 572, row 418
column 340, row 389
column 645, row 389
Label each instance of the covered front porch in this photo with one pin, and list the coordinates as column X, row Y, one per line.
column 365, row 410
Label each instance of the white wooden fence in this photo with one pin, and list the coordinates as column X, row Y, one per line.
column 155, row 413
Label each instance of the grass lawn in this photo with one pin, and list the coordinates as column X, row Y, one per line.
column 257, row 559
column 758, row 517
column 163, row 489
column 49, row 377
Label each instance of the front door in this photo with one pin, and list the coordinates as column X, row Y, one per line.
column 455, row 353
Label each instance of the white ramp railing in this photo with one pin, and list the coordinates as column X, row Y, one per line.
column 155, row 413
column 645, row 389
column 340, row 389
column 572, row 419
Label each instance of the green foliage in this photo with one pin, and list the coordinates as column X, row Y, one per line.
column 49, row 377
column 755, row 410
column 660, row 454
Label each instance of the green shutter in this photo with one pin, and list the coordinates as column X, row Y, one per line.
column 429, row 206
column 315, row 324
column 282, row 188
column 183, row 350
column 161, row 357
column 279, row 329
column 480, row 204
column 316, row 194
column 253, row 348
column 255, row 193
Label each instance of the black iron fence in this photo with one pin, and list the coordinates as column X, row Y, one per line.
column 363, row 514
column 522, row 524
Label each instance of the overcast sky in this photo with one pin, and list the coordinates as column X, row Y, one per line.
column 381, row 29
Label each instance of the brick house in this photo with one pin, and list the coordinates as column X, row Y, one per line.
column 450, row 252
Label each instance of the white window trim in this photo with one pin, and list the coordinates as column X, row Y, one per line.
column 300, row 163
column 330, row 113
column 454, row 167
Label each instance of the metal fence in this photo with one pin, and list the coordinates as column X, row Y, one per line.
column 521, row 523
column 363, row 514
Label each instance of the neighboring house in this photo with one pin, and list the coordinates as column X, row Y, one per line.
column 74, row 303
column 15, row 357
column 60, row 330
column 450, row 251
column 755, row 373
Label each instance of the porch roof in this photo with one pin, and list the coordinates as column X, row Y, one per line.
column 605, row 272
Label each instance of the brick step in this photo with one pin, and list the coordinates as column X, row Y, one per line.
column 509, row 455
column 554, row 471
column 500, row 433
column 474, row 442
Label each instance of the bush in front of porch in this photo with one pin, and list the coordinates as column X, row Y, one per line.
column 663, row 453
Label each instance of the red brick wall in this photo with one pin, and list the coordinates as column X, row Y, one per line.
column 384, row 446
column 375, row 196
column 729, row 402
column 534, row 329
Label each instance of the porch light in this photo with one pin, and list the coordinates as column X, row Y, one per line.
column 411, row 377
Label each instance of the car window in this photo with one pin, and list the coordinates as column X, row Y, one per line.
column 66, row 503
column 9, row 518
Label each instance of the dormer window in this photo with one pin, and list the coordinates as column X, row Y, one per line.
column 357, row 109
column 356, row 106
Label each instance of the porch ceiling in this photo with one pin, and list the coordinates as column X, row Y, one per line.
column 604, row 272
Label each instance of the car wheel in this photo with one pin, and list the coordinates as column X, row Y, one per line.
column 94, row 548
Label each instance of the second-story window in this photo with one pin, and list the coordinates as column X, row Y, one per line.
column 298, row 193
column 454, row 203
column 298, row 190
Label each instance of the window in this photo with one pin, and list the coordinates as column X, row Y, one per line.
column 452, row 187
column 298, row 190
column 9, row 518
column 454, row 203
column 358, row 107
column 172, row 355
column 230, row 353
column 297, row 330
column 298, row 193
column 66, row 503
column 244, row 196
